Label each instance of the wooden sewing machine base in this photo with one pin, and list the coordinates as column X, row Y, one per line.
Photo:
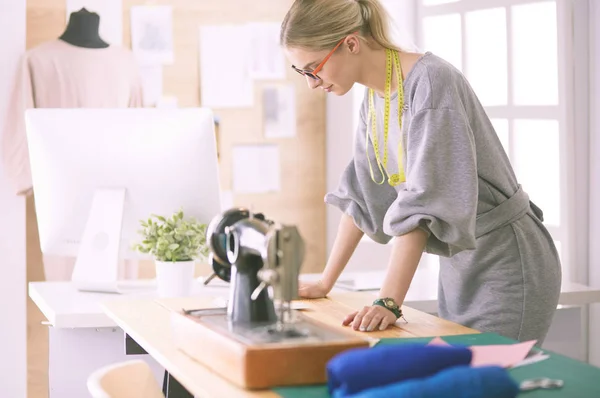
column 261, row 356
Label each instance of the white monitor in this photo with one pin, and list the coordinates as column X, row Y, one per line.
column 98, row 172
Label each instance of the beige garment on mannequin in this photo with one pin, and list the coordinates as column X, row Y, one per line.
column 59, row 75
column 56, row 74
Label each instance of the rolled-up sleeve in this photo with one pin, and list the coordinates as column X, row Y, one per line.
column 349, row 197
column 441, row 189
column 357, row 196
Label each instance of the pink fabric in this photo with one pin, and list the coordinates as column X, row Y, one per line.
column 59, row 75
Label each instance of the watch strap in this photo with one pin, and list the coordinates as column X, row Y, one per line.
column 390, row 304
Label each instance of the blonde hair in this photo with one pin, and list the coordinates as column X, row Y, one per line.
column 318, row 25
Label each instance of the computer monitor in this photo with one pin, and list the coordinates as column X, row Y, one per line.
column 98, row 172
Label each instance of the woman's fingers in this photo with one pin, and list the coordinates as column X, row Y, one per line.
column 304, row 291
column 358, row 319
column 369, row 319
column 384, row 323
column 311, row 290
column 349, row 319
column 374, row 324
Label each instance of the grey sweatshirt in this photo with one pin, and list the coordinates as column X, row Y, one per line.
column 499, row 268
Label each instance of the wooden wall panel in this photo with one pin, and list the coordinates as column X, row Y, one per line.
column 302, row 158
column 45, row 21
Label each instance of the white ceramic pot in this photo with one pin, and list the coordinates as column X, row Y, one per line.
column 174, row 279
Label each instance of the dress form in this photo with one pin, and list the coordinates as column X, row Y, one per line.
column 82, row 30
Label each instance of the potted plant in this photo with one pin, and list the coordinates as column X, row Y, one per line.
column 175, row 243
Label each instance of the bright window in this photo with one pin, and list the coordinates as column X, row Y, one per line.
column 513, row 66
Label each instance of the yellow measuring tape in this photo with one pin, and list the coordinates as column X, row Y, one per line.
column 395, row 179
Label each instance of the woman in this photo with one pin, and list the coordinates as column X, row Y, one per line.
column 432, row 175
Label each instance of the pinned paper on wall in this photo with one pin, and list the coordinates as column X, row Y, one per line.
column 279, row 111
column 267, row 58
column 224, row 77
column 256, row 169
column 111, row 17
column 152, row 34
column 152, row 84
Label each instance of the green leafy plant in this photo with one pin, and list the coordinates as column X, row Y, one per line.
column 173, row 239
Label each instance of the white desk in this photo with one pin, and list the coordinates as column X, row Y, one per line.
column 66, row 307
column 82, row 338
column 423, row 293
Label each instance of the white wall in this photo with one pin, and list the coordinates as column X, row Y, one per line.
column 594, row 182
column 13, row 333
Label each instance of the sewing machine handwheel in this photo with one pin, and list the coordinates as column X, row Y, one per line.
column 222, row 271
column 215, row 232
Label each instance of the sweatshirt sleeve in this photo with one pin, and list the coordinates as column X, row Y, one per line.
column 360, row 198
column 441, row 189
column 15, row 152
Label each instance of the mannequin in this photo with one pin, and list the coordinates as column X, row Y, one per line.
column 82, row 30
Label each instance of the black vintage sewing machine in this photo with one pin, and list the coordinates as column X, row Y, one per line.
column 257, row 257
column 261, row 259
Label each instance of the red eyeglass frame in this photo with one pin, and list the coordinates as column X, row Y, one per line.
column 313, row 74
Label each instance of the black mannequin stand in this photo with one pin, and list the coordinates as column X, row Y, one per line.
column 82, row 30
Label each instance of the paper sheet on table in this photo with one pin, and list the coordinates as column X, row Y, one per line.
column 224, row 73
column 152, row 84
column 111, row 17
column 438, row 341
column 267, row 61
column 279, row 111
column 505, row 355
column 256, row 169
column 500, row 355
column 152, row 34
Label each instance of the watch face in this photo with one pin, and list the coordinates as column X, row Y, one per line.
column 390, row 303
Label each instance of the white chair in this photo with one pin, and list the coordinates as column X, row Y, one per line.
column 129, row 379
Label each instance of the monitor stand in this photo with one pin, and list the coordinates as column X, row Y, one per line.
column 97, row 265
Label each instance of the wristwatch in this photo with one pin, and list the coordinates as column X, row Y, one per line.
column 390, row 304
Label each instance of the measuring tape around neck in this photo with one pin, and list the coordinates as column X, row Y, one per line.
column 394, row 179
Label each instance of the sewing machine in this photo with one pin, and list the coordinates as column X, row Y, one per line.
column 261, row 259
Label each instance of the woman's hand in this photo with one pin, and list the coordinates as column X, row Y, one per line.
column 370, row 318
column 313, row 290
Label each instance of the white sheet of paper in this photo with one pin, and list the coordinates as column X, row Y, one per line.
column 279, row 111
column 152, row 34
column 256, row 169
column 167, row 102
column 224, row 78
column 152, row 84
column 267, row 58
column 111, row 17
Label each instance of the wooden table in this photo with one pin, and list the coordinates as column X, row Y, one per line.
column 147, row 321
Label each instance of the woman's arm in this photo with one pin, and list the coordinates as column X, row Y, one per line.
column 404, row 259
column 346, row 241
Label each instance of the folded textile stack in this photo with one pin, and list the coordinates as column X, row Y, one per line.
column 415, row 371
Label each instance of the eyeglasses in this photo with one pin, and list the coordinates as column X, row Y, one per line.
column 313, row 74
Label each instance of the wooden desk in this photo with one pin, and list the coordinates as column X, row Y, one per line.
column 148, row 323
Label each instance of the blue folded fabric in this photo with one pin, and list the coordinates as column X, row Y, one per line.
column 456, row 382
column 358, row 369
